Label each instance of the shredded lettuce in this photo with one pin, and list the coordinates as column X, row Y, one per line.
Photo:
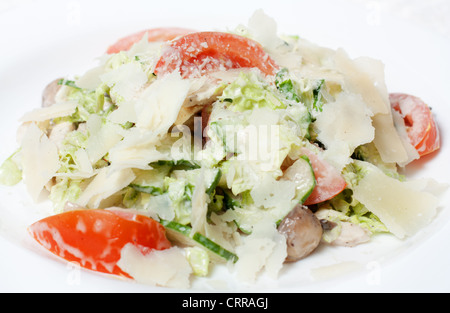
column 369, row 153
column 347, row 209
column 10, row 171
column 65, row 190
column 180, row 194
column 304, row 90
column 249, row 91
column 199, row 260
column 67, row 153
column 286, row 85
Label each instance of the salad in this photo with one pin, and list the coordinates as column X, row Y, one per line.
column 183, row 150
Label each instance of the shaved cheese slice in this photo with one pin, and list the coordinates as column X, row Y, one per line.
column 264, row 30
column 83, row 162
column 159, row 105
column 357, row 80
column 125, row 80
column 40, row 160
column 166, row 268
column 124, row 113
column 59, row 109
column 104, row 185
column 387, row 140
column 272, row 193
column 102, row 137
column 342, row 126
column 220, row 231
column 365, row 76
column 374, row 69
column 313, row 55
column 265, row 249
column 136, row 150
column 91, row 79
column 403, row 209
column 400, row 126
column 203, row 90
column 199, row 206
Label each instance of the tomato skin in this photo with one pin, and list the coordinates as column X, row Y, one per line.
column 199, row 53
column 329, row 181
column 95, row 238
column 155, row 34
column 421, row 127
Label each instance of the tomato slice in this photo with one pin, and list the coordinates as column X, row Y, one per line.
column 95, row 238
column 200, row 53
column 155, row 34
column 421, row 127
column 329, row 181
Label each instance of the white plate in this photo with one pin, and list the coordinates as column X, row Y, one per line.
column 42, row 40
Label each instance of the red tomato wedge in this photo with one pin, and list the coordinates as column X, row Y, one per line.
column 329, row 181
column 95, row 238
column 156, row 34
column 200, row 53
column 422, row 130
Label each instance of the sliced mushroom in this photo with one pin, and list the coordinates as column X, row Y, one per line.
column 49, row 93
column 303, row 232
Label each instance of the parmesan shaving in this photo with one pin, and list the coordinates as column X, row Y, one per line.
column 125, row 113
column 264, row 30
column 343, row 126
column 125, row 80
column 271, row 193
column 160, row 103
column 91, row 79
column 136, row 150
column 103, row 137
column 104, row 185
column 40, row 160
column 264, row 249
column 199, row 206
column 167, row 268
column 358, row 81
column 388, row 141
column 365, row 76
column 59, row 109
column 400, row 126
column 83, row 162
column 404, row 210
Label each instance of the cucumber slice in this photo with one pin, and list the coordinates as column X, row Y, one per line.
column 302, row 174
column 215, row 248
column 151, row 181
column 177, row 164
column 181, row 234
column 212, row 178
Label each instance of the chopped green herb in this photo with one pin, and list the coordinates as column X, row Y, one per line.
column 69, row 83
column 286, row 86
